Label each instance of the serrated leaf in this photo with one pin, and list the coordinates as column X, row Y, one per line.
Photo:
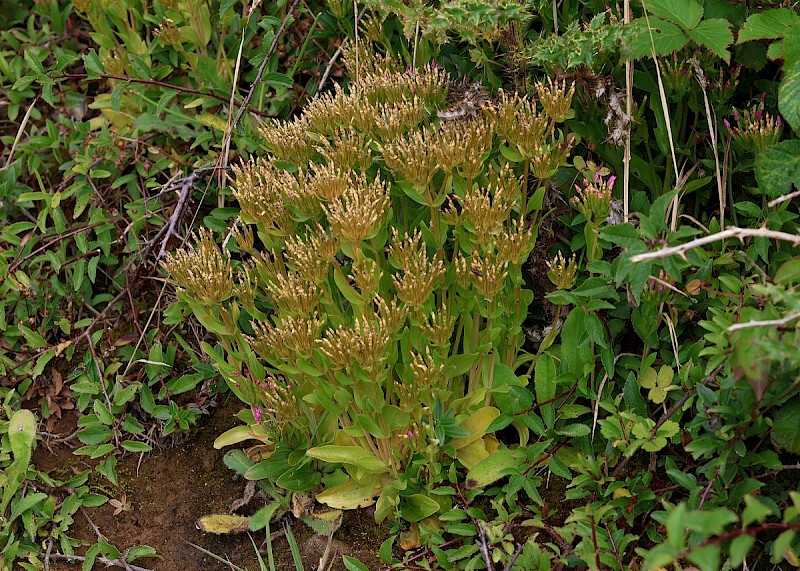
column 767, row 25
column 92, row 64
column 32, row 62
column 778, row 167
column 687, row 13
column 666, row 38
column 714, row 34
column 789, row 93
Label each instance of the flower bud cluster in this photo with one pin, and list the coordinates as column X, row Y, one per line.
column 754, row 129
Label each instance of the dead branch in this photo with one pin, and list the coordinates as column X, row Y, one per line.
column 766, row 323
column 733, row 232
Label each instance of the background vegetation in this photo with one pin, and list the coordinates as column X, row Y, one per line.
column 631, row 401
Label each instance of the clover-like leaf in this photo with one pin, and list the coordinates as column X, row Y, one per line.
column 659, row 383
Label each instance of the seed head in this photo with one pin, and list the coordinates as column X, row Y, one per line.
column 556, row 99
column 358, row 213
column 562, row 272
column 202, row 271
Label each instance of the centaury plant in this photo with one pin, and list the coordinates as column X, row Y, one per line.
column 372, row 307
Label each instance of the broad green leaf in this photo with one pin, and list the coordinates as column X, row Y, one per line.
column 778, row 167
column 767, row 25
column 352, row 455
column 687, row 13
column 22, row 434
column 417, row 507
column 502, row 463
column 714, row 34
column 476, row 424
column 350, row 495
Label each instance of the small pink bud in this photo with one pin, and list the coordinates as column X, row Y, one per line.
column 778, row 121
column 759, row 114
column 597, row 177
column 735, row 114
column 612, row 179
column 727, row 123
column 410, row 434
column 257, row 413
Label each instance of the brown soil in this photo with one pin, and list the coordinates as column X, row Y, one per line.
column 169, row 490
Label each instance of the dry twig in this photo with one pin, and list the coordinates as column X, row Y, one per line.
column 733, row 232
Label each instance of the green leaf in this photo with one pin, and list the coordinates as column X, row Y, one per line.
column 706, row 557
column 26, row 503
column 32, row 62
column 93, row 65
column 574, row 430
column 135, row 446
column 739, row 549
column 767, row 25
column 789, row 93
column 140, row 552
column 687, row 13
column 352, row 455
column 666, row 38
column 785, row 434
column 417, row 507
column 778, row 167
column 501, row 463
column 714, row 34
column 789, row 272
column 756, row 510
column 353, row 564
column 476, row 424
column 350, row 495
column 624, row 235
column 278, row 79
column 22, row 434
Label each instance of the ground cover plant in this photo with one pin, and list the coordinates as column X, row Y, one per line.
column 525, row 284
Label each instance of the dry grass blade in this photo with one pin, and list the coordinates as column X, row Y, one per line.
column 21, row 130
column 712, row 126
column 667, row 120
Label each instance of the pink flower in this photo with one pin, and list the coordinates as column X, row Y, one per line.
column 727, row 123
column 611, row 181
column 735, row 114
column 778, row 121
column 257, row 414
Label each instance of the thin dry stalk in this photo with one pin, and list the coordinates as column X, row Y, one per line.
column 223, row 160
column 712, row 126
column 21, row 130
column 663, row 96
column 733, row 232
column 626, row 161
